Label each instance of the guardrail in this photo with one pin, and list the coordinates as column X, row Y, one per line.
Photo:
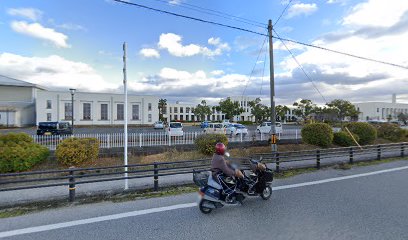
column 162, row 138
column 75, row 176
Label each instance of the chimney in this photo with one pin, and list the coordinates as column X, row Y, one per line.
column 394, row 98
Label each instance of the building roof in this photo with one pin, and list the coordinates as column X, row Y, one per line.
column 7, row 81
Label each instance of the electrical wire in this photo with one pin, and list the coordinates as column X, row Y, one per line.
column 284, row 10
column 262, row 34
column 253, row 69
column 301, row 67
column 217, row 13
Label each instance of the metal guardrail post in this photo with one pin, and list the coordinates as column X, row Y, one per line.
column 318, row 159
column 351, row 155
column 402, row 149
column 379, row 152
column 277, row 162
column 156, row 177
column 71, row 185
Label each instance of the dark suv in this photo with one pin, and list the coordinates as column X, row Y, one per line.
column 54, row 128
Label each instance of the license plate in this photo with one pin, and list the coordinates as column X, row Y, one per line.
column 47, row 133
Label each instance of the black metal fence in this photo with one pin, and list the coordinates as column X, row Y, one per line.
column 296, row 159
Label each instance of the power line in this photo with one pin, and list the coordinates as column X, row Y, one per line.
column 284, row 10
column 217, row 13
column 301, row 67
column 262, row 34
column 188, row 17
column 253, row 69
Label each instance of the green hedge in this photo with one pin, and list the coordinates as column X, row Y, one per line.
column 74, row 151
column 344, row 139
column 391, row 132
column 206, row 143
column 320, row 134
column 365, row 131
column 19, row 153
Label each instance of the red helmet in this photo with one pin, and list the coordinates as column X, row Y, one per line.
column 220, row 148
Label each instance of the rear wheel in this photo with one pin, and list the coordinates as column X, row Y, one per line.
column 204, row 209
column 266, row 193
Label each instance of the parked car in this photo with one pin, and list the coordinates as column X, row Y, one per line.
column 54, row 128
column 265, row 127
column 158, row 125
column 230, row 129
column 175, row 129
column 215, row 128
column 241, row 129
column 204, row 124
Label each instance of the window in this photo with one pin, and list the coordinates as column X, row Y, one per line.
column 175, row 110
column 104, row 111
column 119, row 112
column 378, row 110
column 149, row 117
column 49, row 104
column 68, row 111
column 181, row 110
column 135, row 112
column 170, row 110
column 49, row 117
column 187, row 118
column 149, row 107
column 86, row 111
column 187, row 110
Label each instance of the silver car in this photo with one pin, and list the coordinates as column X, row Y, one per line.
column 158, row 125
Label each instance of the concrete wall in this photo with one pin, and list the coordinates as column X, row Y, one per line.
column 380, row 110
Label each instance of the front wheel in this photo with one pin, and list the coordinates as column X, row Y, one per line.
column 266, row 193
column 204, row 209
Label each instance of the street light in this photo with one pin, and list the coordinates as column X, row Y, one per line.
column 72, row 90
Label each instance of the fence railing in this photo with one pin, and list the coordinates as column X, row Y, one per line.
column 148, row 139
column 76, row 176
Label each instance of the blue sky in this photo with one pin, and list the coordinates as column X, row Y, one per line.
column 73, row 43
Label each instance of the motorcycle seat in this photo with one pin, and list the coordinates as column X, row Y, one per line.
column 212, row 183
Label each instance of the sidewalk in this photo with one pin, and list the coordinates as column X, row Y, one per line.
column 18, row 197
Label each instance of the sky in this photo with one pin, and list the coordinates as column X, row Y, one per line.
column 78, row 44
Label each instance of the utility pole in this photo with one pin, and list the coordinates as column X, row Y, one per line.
column 125, row 140
column 272, row 86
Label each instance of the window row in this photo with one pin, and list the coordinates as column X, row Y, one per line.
column 104, row 112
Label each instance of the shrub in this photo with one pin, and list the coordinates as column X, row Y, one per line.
column 206, row 142
column 391, row 132
column 344, row 139
column 365, row 131
column 19, row 153
column 320, row 134
column 74, row 151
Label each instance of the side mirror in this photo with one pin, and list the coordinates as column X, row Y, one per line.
column 227, row 154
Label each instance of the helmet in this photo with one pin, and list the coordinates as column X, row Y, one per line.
column 220, row 148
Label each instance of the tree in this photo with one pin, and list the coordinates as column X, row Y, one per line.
column 304, row 108
column 202, row 110
column 343, row 108
column 162, row 108
column 258, row 110
column 230, row 108
column 403, row 117
column 281, row 112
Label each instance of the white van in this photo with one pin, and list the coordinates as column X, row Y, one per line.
column 175, row 129
column 265, row 127
column 215, row 128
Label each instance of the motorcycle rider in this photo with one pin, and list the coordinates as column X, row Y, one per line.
column 219, row 164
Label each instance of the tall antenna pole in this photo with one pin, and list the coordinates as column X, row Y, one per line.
column 125, row 140
column 272, row 86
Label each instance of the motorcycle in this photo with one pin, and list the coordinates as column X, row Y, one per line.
column 215, row 193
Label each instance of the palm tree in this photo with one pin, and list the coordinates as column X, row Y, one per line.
column 162, row 108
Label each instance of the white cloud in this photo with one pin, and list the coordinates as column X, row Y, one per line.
column 71, row 26
column 172, row 43
column 217, row 72
column 149, row 53
column 175, row 2
column 301, row 9
column 36, row 30
column 30, row 13
column 53, row 72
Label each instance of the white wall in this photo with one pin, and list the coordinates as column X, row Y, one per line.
column 380, row 110
column 58, row 100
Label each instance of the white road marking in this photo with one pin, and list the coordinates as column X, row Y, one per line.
column 174, row 207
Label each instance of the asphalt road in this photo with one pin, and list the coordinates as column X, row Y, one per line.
column 371, row 205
